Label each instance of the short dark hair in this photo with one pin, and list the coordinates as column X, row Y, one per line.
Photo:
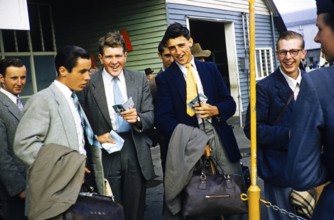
column 7, row 62
column 161, row 48
column 329, row 20
column 287, row 35
column 175, row 30
column 112, row 39
column 68, row 57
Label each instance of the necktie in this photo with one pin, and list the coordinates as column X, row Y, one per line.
column 121, row 124
column 92, row 140
column 19, row 103
column 191, row 89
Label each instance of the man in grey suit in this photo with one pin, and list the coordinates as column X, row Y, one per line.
column 51, row 116
column 128, row 169
column 12, row 171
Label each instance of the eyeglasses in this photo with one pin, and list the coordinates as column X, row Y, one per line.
column 293, row 52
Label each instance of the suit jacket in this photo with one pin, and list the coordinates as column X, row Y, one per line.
column 311, row 149
column 12, row 170
column 170, row 104
column 48, row 120
column 272, row 94
column 95, row 104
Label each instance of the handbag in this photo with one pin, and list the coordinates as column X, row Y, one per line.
column 91, row 206
column 209, row 194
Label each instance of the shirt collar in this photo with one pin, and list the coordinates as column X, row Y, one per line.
column 9, row 95
column 291, row 81
column 63, row 88
column 109, row 77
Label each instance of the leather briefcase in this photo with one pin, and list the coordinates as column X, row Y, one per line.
column 90, row 206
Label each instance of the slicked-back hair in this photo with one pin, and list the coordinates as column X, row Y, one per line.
column 288, row 35
column 175, row 30
column 7, row 62
column 68, row 57
column 112, row 39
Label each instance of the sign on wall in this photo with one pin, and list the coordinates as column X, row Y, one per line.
column 14, row 15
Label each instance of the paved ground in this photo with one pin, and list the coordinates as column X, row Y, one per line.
column 155, row 190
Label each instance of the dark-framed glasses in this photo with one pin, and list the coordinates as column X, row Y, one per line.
column 292, row 52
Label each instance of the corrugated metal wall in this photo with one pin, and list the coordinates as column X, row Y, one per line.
column 179, row 13
column 145, row 21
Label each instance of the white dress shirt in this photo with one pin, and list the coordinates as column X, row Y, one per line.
column 294, row 84
column 80, row 132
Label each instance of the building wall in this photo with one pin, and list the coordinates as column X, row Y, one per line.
column 178, row 12
column 145, row 21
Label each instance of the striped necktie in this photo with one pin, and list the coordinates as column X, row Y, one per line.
column 92, row 140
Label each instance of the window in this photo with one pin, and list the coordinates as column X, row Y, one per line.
column 264, row 62
column 36, row 48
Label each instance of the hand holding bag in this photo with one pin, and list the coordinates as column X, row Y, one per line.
column 210, row 194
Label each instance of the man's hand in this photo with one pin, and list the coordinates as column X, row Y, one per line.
column 206, row 110
column 105, row 138
column 130, row 115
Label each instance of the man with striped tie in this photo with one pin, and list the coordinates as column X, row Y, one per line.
column 53, row 116
column 12, row 171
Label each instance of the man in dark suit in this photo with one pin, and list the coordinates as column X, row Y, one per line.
column 311, row 149
column 12, row 171
column 129, row 169
column 276, row 95
column 171, row 105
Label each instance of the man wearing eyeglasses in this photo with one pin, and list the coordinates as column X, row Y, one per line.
column 276, row 95
column 311, row 149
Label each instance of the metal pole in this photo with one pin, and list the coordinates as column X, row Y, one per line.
column 254, row 190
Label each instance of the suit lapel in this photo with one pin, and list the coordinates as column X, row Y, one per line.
column 65, row 113
column 12, row 108
column 178, row 80
column 99, row 95
column 204, row 78
column 131, row 85
column 283, row 90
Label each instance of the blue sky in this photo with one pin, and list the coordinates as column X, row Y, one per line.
column 286, row 6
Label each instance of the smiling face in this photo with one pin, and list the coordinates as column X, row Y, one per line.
column 78, row 78
column 290, row 63
column 325, row 37
column 180, row 48
column 113, row 59
column 14, row 79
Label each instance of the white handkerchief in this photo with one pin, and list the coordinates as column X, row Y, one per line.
column 117, row 146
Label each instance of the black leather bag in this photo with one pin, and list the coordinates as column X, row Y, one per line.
column 210, row 194
column 90, row 206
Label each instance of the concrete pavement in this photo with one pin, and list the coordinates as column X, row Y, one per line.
column 154, row 195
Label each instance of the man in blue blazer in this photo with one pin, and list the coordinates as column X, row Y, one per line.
column 276, row 95
column 12, row 171
column 171, row 104
column 311, row 149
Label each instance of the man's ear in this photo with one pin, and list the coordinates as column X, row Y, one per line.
column 100, row 58
column 2, row 79
column 62, row 71
column 191, row 42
